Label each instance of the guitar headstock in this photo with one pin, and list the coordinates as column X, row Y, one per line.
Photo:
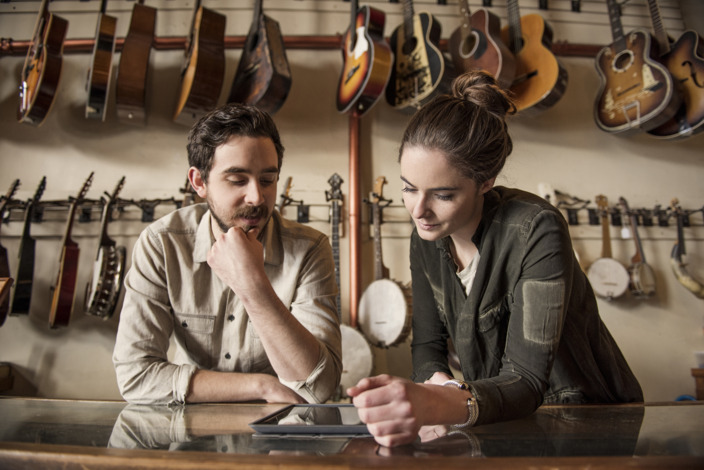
column 11, row 191
column 675, row 205
column 85, row 187
column 378, row 192
column 117, row 189
column 334, row 193
column 602, row 203
column 40, row 190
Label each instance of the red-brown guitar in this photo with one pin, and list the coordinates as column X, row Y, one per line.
column 42, row 67
column 367, row 61
column 100, row 71
column 476, row 45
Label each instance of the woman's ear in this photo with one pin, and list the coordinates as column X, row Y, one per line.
column 487, row 185
column 196, row 180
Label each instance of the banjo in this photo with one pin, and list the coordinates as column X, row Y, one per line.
column 385, row 308
column 642, row 276
column 608, row 277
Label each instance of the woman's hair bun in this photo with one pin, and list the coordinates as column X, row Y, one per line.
column 480, row 88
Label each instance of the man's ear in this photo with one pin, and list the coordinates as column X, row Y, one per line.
column 196, row 180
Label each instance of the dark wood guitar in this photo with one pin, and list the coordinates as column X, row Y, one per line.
column 22, row 296
column 65, row 287
column 685, row 62
column 204, row 68
column 263, row 77
column 477, row 45
column 419, row 71
column 367, row 61
column 642, row 275
column 540, row 79
column 678, row 253
column 42, row 67
column 103, row 291
column 133, row 71
column 4, row 262
column 334, row 196
column 636, row 92
column 100, row 72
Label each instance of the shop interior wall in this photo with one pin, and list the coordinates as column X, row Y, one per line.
column 561, row 147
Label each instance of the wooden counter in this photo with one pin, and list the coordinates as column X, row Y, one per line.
column 65, row 434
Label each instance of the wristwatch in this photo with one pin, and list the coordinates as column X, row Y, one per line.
column 472, row 406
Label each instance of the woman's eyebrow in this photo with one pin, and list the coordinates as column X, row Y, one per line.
column 439, row 188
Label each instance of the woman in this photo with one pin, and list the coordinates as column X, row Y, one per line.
column 494, row 271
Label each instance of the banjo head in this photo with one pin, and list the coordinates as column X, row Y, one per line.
column 357, row 359
column 385, row 313
column 608, row 278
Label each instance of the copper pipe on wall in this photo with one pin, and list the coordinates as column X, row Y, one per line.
column 355, row 221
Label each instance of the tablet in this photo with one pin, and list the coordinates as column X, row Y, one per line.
column 323, row 419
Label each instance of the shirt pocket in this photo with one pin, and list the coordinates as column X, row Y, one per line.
column 196, row 334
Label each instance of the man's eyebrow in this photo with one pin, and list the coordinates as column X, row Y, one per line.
column 439, row 188
column 237, row 170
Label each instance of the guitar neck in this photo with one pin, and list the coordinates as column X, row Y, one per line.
column 616, row 27
column 336, row 250
column 466, row 26
column 353, row 22
column 408, row 19
column 514, row 27
column 605, row 236
column 379, row 269
column 658, row 28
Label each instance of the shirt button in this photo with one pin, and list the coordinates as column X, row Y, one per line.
column 227, row 356
column 231, row 317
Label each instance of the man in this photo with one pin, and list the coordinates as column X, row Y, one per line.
column 248, row 296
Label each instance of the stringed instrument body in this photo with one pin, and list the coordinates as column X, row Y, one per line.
column 608, row 277
column 642, row 275
column 477, row 45
column 100, row 72
column 677, row 256
column 4, row 262
column 133, row 71
column 540, row 79
column 204, row 68
column 41, row 72
column 263, row 77
column 367, row 61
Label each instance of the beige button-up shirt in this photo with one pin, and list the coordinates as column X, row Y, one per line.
column 174, row 300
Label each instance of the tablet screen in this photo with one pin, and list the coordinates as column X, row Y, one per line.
column 312, row 419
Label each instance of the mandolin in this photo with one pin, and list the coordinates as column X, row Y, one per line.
column 685, row 63
column 103, row 292
column 42, row 67
column 419, row 71
column 64, row 289
column 100, row 72
column 477, row 45
column 636, row 92
column 334, row 195
column 367, row 61
column 133, row 70
column 677, row 262
column 22, row 296
column 642, row 276
column 540, row 79
column 263, row 77
column 4, row 263
column 203, row 70
column 608, row 277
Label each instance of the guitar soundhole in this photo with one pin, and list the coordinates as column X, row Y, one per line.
column 470, row 46
column 622, row 61
column 409, row 46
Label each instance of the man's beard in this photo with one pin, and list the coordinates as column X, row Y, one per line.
column 247, row 212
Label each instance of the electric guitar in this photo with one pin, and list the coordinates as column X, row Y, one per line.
column 477, row 45
column 367, row 61
column 685, row 63
column 204, row 68
column 101, row 70
column 334, row 195
column 42, row 67
column 132, row 73
column 103, row 292
column 419, row 71
column 636, row 92
column 64, row 289
column 608, row 277
column 22, row 296
column 540, row 79
column 263, row 77
column 642, row 276
column 4, row 263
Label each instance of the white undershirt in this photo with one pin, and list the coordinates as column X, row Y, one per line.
column 466, row 276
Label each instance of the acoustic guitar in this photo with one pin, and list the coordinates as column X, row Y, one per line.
column 204, row 68
column 100, row 72
column 477, row 45
column 608, row 277
column 65, row 287
column 4, row 262
column 367, row 61
column 419, row 71
column 540, row 79
column 22, row 295
column 677, row 256
column 685, row 63
column 334, row 196
column 642, row 275
column 636, row 92
column 42, row 67
column 133, row 71
column 263, row 77
column 103, row 291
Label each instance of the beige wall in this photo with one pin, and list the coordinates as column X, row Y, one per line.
column 561, row 147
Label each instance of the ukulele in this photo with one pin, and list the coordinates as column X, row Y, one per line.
column 22, row 296
column 101, row 70
column 103, row 292
column 64, row 289
column 679, row 267
column 204, row 68
column 476, row 45
column 419, row 71
column 540, row 79
column 367, row 61
column 263, row 77
column 42, row 67
column 685, row 63
column 4, row 263
column 130, row 90
column 334, row 195
column 642, row 276
column 608, row 277
column 636, row 92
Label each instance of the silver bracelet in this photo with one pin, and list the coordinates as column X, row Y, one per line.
column 472, row 405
